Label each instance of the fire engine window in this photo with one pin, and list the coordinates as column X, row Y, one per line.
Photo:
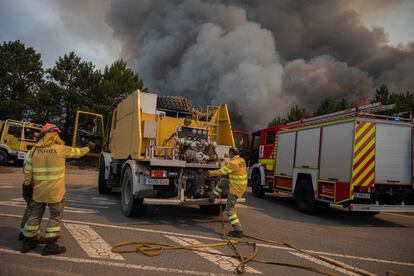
column 15, row 130
column 256, row 141
column 30, row 133
column 270, row 137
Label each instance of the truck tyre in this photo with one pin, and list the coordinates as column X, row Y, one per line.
column 131, row 206
column 211, row 209
column 305, row 198
column 257, row 188
column 4, row 157
column 102, row 188
column 175, row 103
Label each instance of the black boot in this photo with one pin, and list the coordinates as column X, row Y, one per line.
column 235, row 234
column 52, row 248
column 28, row 244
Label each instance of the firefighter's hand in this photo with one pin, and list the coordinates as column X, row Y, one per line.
column 27, row 192
column 91, row 145
column 212, row 198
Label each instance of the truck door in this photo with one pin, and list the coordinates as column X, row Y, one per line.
column 255, row 148
column 89, row 127
column 12, row 135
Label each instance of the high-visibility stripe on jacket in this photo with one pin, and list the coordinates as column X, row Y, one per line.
column 45, row 168
column 237, row 172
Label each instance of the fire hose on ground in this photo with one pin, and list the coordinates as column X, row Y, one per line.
column 152, row 249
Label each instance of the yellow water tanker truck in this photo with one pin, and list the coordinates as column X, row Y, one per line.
column 16, row 138
column 157, row 150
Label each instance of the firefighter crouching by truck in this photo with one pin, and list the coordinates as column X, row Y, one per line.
column 44, row 180
column 237, row 172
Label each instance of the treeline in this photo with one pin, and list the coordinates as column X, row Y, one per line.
column 404, row 103
column 28, row 91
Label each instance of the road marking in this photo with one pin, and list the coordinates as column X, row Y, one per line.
column 217, row 239
column 398, row 215
column 73, row 202
column 6, row 187
column 331, row 266
column 224, row 262
column 67, row 209
column 91, row 242
column 111, row 264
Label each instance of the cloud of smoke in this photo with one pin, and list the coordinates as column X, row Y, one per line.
column 260, row 57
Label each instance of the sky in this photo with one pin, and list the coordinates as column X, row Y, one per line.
column 54, row 28
column 265, row 55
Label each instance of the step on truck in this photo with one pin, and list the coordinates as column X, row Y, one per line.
column 157, row 150
column 16, row 138
column 360, row 161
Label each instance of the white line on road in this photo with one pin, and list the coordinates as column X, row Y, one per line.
column 224, row 262
column 67, row 209
column 112, row 264
column 217, row 239
column 331, row 266
column 398, row 215
column 91, row 242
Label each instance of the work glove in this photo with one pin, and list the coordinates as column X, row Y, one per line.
column 27, row 192
column 91, row 145
column 211, row 198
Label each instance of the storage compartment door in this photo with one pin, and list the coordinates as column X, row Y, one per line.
column 393, row 154
column 307, row 148
column 336, row 152
column 285, row 153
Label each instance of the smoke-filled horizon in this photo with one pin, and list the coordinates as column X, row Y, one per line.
column 260, row 57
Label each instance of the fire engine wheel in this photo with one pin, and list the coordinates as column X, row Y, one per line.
column 257, row 188
column 211, row 209
column 175, row 103
column 130, row 205
column 102, row 182
column 4, row 157
column 305, row 197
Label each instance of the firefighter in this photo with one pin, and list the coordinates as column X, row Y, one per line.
column 45, row 180
column 236, row 170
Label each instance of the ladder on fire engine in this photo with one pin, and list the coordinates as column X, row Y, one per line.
column 213, row 128
column 351, row 112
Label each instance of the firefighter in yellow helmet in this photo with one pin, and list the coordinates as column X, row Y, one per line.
column 237, row 172
column 44, row 181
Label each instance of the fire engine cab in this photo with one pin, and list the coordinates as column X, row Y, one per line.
column 351, row 158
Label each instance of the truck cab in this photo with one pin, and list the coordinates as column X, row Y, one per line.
column 16, row 138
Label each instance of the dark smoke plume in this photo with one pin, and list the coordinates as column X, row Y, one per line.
column 260, row 57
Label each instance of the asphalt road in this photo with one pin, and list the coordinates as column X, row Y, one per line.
column 93, row 222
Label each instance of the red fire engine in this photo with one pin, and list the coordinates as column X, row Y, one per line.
column 354, row 159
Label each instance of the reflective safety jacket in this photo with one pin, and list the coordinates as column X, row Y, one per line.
column 45, row 168
column 237, row 172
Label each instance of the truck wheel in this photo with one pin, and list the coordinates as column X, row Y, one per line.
column 257, row 188
column 211, row 209
column 305, row 197
column 131, row 206
column 4, row 157
column 175, row 103
column 102, row 188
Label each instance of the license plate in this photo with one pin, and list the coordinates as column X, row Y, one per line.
column 156, row 181
column 362, row 195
